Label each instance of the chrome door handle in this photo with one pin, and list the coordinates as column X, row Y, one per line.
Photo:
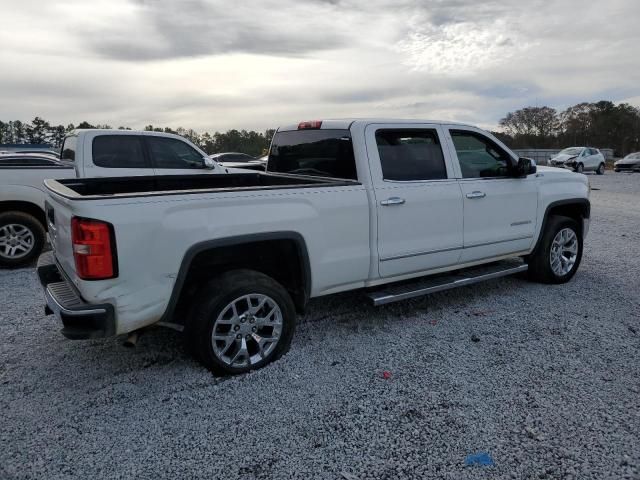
column 392, row 201
column 476, row 194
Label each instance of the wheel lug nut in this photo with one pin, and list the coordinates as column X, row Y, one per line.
column 238, row 336
column 236, row 328
column 253, row 329
column 248, row 337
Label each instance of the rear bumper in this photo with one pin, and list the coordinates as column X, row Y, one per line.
column 80, row 319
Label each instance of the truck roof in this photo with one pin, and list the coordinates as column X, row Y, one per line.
column 345, row 123
column 117, row 131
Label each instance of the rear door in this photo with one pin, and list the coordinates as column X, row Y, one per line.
column 418, row 199
column 172, row 156
column 499, row 209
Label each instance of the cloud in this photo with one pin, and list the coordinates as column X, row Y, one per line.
column 210, row 65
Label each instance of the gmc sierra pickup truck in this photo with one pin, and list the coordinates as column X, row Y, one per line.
column 84, row 153
column 396, row 208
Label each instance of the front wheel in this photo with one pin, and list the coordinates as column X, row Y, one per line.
column 559, row 252
column 579, row 168
column 600, row 170
column 22, row 238
column 243, row 320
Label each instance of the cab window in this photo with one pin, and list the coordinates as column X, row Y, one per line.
column 68, row 151
column 173, row 153
column 410, row 154
column 118, row 151
column 479, row 156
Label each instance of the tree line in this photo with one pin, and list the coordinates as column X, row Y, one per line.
column 601, row 124
column 40, row 131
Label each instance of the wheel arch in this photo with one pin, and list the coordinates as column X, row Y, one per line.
column 578, row 209
column 25, row 207
column 262, row 252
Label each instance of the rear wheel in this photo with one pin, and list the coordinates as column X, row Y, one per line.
column 22, row 238
column 600, row 170
column 559, row 253
column 580, row 168
column 243, row 321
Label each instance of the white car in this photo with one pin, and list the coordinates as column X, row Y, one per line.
column 345, row 205
column 85, row 153
column 580, row 159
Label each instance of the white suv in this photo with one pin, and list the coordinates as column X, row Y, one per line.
column 579, row 159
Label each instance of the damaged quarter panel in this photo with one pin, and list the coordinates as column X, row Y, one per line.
column 154, row 233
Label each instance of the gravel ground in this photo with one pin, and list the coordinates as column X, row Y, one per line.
column 546, row 379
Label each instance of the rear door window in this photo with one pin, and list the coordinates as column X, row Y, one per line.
column 410, row 154
column 118, row 151
column 323, row 153
column 68, row 151
column 173, row 153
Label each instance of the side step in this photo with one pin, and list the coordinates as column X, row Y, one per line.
column 437, row 283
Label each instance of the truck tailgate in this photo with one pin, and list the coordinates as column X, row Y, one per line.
column 59, row 213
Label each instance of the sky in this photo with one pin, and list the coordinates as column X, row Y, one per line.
column 216, row 65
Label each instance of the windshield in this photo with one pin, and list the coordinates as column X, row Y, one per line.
column 633, row 156
column 571, row 151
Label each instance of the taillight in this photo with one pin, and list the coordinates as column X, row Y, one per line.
column 93, row 249
column 313, row 124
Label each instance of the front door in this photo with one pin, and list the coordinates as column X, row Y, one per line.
column 500, row 210
column 418, row 199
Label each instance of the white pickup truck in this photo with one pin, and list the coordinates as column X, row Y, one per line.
column 397, row 208
column 84, row 153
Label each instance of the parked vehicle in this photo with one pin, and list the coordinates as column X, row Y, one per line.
column 580, row 159
column 42, row 151
column 85, row 153
column 238, row 160
column 630, row 163
column 344, row 205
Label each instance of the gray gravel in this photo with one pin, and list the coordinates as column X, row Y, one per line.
column 546, row 379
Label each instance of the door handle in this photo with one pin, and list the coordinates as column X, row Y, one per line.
column 392, row 201
column 476, row 194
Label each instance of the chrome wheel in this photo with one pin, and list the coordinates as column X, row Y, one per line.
column 16, row 241
column 247, row 330
column 564, row 252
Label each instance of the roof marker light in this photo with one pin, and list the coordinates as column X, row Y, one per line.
column 310, row 125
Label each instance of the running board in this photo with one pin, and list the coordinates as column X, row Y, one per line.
column 437, row 283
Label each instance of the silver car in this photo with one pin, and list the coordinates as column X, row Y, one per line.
column 630, row 163
column 580, row 159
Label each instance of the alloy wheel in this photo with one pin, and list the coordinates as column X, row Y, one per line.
column 16, row 241
column 247, row 330
column 564, row 252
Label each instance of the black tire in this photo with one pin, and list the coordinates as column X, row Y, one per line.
column 579, row 168
column 600, row 170
column 540, row 261
column 36, row 235
column 212, row 300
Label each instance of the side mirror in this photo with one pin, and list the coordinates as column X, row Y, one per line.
column 209, row 163
column 526, row 166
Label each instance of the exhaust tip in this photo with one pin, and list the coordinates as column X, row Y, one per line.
column 132, row 340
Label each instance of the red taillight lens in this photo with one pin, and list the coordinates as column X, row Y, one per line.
column 93, row 249
column 313, row 124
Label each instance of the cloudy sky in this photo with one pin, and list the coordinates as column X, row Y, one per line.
column 215, row 65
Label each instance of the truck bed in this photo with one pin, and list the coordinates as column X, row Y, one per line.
column 91, row 188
